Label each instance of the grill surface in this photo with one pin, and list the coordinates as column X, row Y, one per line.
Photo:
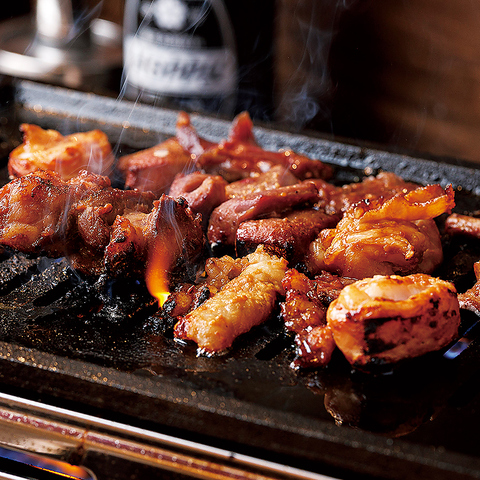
column 98, row 345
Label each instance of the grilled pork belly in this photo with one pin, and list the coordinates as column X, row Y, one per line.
column 67, row 155
column 385, row 319
column 245, row 301
column 398, row 236
column 98, row 227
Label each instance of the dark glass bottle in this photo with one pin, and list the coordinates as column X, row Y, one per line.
column 180, row 54
column 201, row 55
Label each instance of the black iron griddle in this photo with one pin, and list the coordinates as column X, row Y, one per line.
column 93, row 355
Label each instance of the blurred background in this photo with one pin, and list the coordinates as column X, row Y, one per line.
column 403, row 74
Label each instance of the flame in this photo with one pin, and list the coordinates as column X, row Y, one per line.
column 156, row 275
column 50, row 465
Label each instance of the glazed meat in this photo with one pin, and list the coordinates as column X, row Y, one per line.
column 33, row 210
column 383, row 186
column 276, row 177
column 202, row 191
column 290, row 236
column 226, row 218
column 457, row 224
column 470, row 300
column 398, row 236
column 385, row 319
column 304, row 313
column 96, row 226
column 155, row 168
column 245, row 301
column 240, row 156
column 67, row 155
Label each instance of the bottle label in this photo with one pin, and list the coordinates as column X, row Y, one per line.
column 179, row 71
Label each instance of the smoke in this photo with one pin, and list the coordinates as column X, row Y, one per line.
column 305, row 34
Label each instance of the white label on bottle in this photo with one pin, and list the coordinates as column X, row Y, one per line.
column 175, row 71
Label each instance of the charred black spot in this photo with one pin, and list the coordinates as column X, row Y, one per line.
column 202, row 297
column 416, row 319
column 374, row 323
column 375, row 345
column 435, row 303
column 433, row 324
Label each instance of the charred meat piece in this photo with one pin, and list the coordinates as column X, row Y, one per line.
column 226, row 218
column 98, row 227
column 218, row 272
column 67, row 155
column 304, row 313
column 240, row 156
column 35, row 210
column 171, row 225
column 245, row 301
column 290, row 235
column 386, row 319
column 398, row 236
column 155, row 168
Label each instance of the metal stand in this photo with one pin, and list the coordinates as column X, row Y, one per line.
column 63, row 44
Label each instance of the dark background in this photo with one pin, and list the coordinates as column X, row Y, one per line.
column 404, row 74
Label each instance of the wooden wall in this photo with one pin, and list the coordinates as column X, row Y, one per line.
column 404, row 73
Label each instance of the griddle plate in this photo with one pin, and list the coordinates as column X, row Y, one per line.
column 98, row 345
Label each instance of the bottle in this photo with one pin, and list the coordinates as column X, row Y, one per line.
column 180, row 54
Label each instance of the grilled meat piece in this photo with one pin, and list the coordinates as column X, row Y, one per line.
column 202, row 191
column 470, row 300
column 226, row 218
column 188, row 137
column 67, row 155
column 290, row 235
column 35, row 210
column 218, row 272
column 240, row 156
column 457, row 224
column 385, row 319
column 98, row 227
column 304, row 313
column 383, row 186
column 276, row 177
column 245, row 301
column 154, row 169
column 397, row 236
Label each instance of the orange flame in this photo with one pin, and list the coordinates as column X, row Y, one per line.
column 156, row 275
